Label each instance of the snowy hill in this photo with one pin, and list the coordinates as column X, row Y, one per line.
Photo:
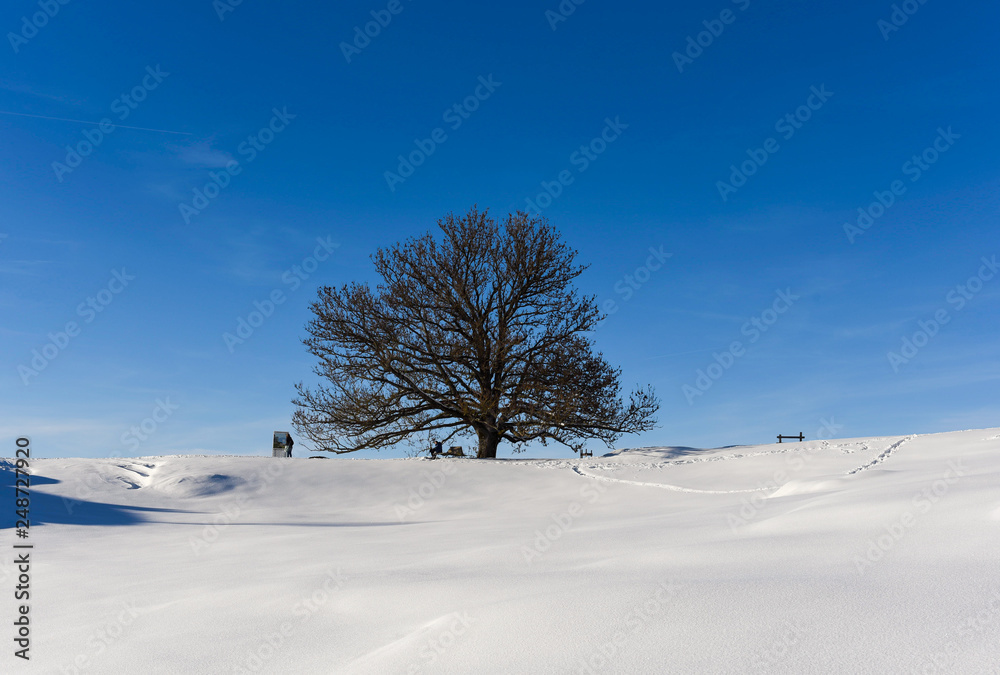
column 877, row 555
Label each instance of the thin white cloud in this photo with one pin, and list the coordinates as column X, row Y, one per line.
column 22, row 267
column 40, row 92
column 202, row 154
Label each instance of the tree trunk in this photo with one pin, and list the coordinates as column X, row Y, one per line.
column 489, row 439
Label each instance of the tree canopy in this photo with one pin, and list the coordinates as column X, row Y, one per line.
column 481, row 332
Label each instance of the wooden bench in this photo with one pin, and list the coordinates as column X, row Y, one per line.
column 800, row 437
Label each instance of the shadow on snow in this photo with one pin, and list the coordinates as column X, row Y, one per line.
column 46, row 509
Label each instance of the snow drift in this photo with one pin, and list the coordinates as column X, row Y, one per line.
column 876, row 555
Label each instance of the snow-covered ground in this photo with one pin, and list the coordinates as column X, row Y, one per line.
column 876, row 555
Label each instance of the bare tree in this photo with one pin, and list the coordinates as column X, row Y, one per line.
column 481, row 332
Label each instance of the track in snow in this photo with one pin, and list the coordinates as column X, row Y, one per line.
column 665, row 486
column 884, row 455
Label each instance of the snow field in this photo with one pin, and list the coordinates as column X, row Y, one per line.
column 874, row 555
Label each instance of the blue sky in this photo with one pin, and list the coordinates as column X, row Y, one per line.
column 299, row 130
